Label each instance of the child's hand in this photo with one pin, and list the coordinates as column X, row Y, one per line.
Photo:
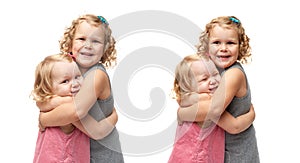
column 67, row 129
column 188, row 100
column 204, row 97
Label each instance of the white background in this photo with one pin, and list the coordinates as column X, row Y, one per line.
column 30, row 30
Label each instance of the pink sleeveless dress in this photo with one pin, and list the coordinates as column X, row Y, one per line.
column 54, row 146
column 196, row 145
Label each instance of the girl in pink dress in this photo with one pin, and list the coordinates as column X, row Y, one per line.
column 58, row 75
column 196, row 78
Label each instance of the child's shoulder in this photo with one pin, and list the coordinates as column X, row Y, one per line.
column 235, row 68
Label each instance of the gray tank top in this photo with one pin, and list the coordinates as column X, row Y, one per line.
column 108, row 149
column 242, row 147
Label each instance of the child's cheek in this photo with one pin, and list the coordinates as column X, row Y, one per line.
column 76, row 48
column 212, row 49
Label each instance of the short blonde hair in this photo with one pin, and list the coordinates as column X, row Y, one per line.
column 43, row 80
column 228, row 22
column 184, row 77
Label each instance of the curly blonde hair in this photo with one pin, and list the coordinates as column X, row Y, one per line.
column 43, row 88
column 184, row 77
column 109, row 57
column 228, row 22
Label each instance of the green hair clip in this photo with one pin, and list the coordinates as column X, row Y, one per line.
column 102, row 19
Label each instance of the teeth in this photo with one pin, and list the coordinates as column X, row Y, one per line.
column 225, row 56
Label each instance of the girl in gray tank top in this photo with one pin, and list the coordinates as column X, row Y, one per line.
column 108, row 149
column 241, row 147
column 225, row 41
column 89, row 41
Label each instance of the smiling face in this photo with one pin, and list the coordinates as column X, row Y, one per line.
column 206, row 76
column 66, row 78
column 88, row 45
column 223, row 46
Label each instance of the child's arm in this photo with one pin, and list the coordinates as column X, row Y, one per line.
column 53, row 103
column 236, row 125
column 205, row 109
column 229, row 123
column 97, row 130
column 229, row 87
column 80, row 105
column 196, row 112
column 88, row 125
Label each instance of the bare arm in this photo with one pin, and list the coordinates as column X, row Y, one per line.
column 50, row 105
column 203, row 110
column 229, row 87
column 236, row 125
column 78, row 108
column 97, row 130
column 53, row 103
column 198, row 113
column 88, row 125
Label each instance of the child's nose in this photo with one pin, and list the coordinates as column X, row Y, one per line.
column 223, row 47
column 87, row 44
column 213, row 80
column 75, row 83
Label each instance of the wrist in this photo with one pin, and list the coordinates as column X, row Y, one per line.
column 41, row 125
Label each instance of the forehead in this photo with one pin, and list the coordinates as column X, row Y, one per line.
column 202, row 66
column 65, row 64
column 89, row 29
column 224, row 30
column 61, row 69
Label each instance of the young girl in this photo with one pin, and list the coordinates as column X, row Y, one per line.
column 89, row 40
column 225, row 41
column 203, row 141
column 58, row 75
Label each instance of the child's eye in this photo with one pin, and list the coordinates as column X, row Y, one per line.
column 202, row 80
column 231, row 43
column 78, row 77
column 96, row 41
column 216, row 42
column 65, row 82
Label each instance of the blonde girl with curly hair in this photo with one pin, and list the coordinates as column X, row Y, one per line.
column 58, row 75
column 224, row 40
column 197, row 78
column 90, row 42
